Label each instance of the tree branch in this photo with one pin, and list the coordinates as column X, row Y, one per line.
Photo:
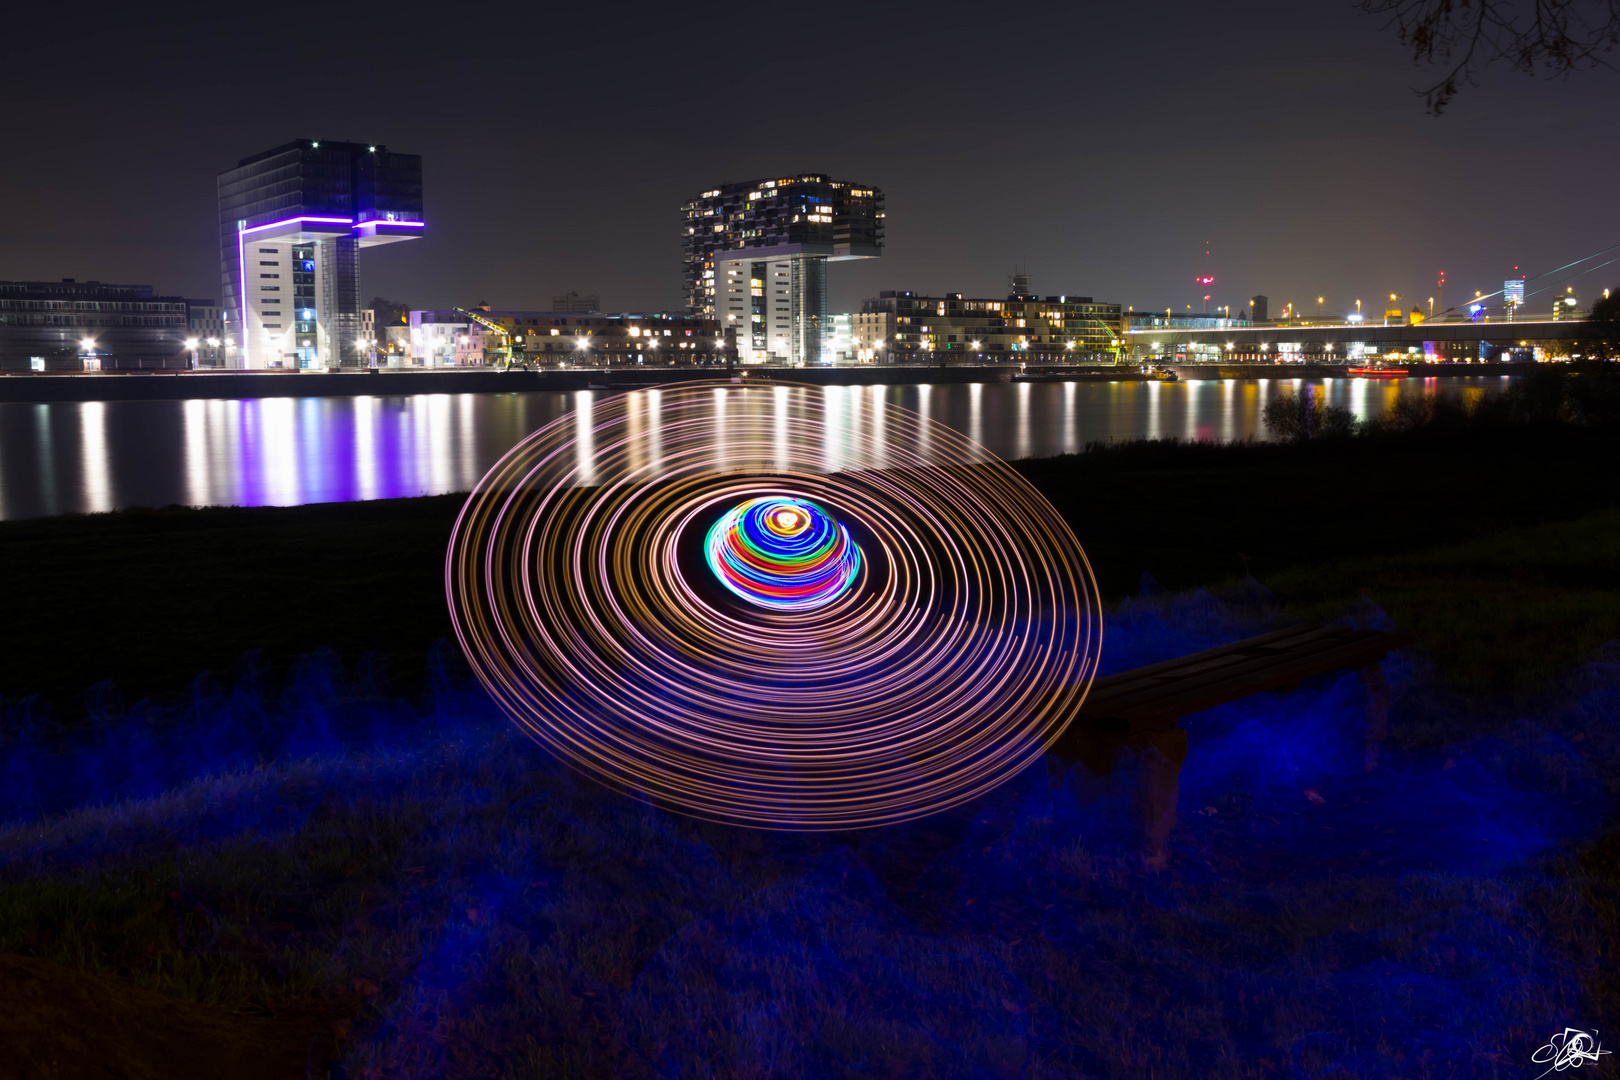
column 1465, row 37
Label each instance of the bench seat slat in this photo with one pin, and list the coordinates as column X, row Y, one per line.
column 1162, row 697
column 1261, row 640
column 1163, row 713
column 1237, row 652
column 1234, row 654
column 1236, row 663
column 1266, row 671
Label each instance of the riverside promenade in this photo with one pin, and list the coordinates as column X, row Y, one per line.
column 184, row 385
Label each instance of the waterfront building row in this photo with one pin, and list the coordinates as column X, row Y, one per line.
column 454, row 338
column 71, row 325
column 900, row 327
column 1312, row 352
column 94, row 326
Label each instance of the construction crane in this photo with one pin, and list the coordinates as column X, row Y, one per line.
column 510, row 350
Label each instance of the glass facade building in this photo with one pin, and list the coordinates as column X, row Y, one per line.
column 291, row 223
column 756, row 256
column 73, row 325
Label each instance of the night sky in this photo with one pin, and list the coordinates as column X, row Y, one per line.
column 1099, row 145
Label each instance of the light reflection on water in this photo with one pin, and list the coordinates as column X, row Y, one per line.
column 76, row 457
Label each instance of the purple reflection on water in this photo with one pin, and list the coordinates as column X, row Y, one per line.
column 95, row 456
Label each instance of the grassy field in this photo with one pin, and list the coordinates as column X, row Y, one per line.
column 1503, row 612
column 341, row 866
column 436, row 897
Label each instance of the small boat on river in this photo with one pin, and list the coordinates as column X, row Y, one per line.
column 1378, row 369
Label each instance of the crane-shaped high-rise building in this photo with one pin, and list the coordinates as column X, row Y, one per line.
column 291, row 223
column 757, row 254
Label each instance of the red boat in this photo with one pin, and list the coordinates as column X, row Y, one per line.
column 1378, row 370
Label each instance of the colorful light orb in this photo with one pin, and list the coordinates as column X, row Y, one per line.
column 783, row 553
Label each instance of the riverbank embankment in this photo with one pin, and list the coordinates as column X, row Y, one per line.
column 188, row 385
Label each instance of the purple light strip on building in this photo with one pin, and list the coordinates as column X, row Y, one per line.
column 241, row 296
column 241, row 260
column 293, row 220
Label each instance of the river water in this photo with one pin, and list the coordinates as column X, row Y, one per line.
column 78, row 457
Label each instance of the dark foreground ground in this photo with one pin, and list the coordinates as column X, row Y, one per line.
column 312, row 865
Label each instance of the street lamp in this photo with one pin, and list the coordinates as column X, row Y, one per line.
column 191, row 345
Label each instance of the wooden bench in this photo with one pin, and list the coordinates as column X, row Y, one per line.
column 1139, row 709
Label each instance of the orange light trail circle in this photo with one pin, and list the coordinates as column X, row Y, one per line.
column 578, row 587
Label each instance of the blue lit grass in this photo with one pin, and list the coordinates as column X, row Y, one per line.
column 1502, row 614
column 469, row 908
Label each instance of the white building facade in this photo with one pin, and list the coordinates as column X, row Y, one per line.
column 775, row 302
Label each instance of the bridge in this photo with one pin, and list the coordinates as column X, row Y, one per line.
column 1344, row 342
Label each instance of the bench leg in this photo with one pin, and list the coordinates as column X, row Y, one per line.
column 1153, row 759
column 1158, row 787
column 1372, row 677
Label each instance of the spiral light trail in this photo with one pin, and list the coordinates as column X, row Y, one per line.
column 784, row 607
column 786, row 554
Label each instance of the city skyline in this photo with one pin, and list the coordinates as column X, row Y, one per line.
column 1290, row 143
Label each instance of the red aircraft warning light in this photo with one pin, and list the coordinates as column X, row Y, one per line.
column 1205, row 280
